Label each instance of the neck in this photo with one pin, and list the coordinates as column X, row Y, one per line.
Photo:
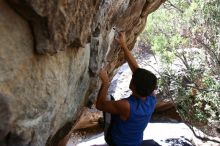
column 138, row 96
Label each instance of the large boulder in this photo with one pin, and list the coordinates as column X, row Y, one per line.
column 50, row 52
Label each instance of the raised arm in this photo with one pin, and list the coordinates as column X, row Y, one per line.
column 128, row 55
column 120, row 107
column 102, row 95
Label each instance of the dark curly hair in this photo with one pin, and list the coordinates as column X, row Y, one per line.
column 144, row 82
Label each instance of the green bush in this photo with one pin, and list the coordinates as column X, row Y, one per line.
column 186, row 37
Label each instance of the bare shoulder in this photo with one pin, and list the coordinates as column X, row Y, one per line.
column 122, row 102
column 123, row 107
column 120, row 107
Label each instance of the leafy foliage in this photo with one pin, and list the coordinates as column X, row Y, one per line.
column 186, row 36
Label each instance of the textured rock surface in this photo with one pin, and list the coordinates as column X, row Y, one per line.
column 50, row 52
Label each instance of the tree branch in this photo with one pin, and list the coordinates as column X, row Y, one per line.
column 199, row 137
column 174, row 6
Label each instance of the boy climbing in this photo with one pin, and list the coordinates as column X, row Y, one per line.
column 131, row 115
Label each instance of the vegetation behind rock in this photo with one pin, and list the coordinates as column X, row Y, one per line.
column 185, row 35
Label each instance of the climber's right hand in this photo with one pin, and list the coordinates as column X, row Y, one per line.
column 121, row 39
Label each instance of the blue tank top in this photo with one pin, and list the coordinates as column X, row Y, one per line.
column 130, row 132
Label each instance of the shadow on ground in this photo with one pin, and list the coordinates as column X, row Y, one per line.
column 170, row 142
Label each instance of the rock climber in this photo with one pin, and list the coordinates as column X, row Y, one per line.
column 129, row 116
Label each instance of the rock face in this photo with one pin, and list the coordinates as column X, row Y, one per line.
column 50, row 52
